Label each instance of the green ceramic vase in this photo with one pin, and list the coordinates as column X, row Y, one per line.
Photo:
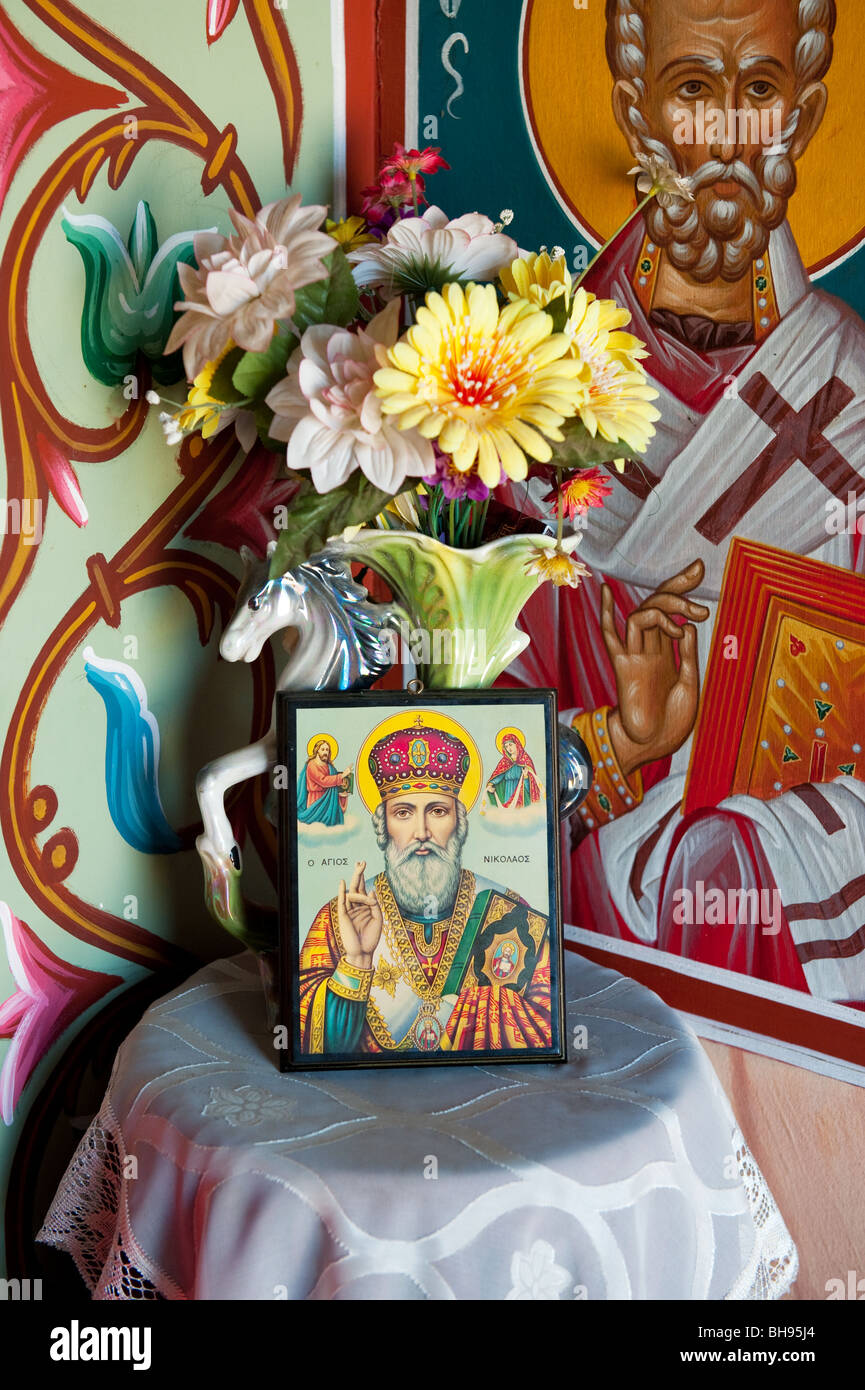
column 460, row 606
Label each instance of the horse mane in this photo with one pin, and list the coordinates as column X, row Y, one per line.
column 329, row 577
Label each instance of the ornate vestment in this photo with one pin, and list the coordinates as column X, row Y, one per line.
column 478, row 980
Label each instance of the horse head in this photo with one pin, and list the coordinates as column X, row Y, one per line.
column 264, row 606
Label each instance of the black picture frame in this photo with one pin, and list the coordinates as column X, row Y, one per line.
column 295, row 1050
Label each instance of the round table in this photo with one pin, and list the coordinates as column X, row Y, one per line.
column 619, row 1174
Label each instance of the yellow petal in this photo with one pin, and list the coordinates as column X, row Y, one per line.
column 465, row 455
column 388, row 379
column 453, row 434
column 489, row 468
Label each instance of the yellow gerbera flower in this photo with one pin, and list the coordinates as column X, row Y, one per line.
column 348, row 232
column 556, row 566
column 538, row 278
column 617, row 407
column 490, row 384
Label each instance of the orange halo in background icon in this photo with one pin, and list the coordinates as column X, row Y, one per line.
column 567, row 86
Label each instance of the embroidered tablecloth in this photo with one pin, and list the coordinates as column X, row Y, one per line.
column 619, row 1174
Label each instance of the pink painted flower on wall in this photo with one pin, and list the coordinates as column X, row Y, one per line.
column 51, row 993
column 36, row 94
column 220, row 13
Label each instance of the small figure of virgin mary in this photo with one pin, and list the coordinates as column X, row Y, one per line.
column 513, row 781
column 322, row 792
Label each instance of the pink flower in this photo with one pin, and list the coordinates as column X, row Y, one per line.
column 384, row 201
column 586, row 488
column 244, row 284
column 410, row 163
column 328, row 410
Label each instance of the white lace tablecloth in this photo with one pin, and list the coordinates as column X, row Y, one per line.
column 620, row 1174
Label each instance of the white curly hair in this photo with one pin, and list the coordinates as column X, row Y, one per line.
column 725, row 242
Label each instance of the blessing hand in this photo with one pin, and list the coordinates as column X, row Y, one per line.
column 657, row 702
column 360, row 919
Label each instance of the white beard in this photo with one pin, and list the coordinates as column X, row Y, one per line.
column 726, row 236
column 425, row 885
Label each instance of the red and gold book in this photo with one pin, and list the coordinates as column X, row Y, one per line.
column 783, row 698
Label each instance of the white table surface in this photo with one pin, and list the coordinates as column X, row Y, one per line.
column 617, row 1175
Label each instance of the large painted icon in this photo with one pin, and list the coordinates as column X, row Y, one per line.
column 404, row 938
column 726, row 567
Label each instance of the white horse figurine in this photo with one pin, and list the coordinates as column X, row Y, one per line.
column 341, row 645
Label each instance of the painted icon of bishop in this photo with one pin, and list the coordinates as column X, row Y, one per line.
column 429, row 956
column 761, row 381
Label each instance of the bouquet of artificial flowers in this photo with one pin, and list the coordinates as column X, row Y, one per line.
column 409, row 365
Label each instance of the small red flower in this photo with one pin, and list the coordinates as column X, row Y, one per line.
column 586, row 488
column 410, row 164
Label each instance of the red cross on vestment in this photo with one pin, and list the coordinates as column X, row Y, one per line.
column 798, row 435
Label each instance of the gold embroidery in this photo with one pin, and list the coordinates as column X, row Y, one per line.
column 359, row 992
column 381, row 1033
column 537, row 927
column 386, row 976
column 316, row 1042
column 400, row 946
column 418, row 932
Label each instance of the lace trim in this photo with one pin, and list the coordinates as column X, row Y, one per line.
column 774, row 1261
column 88, row 1218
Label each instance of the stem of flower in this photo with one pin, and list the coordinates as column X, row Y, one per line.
column 413, row 181
column 628, row 220
column 560, row 521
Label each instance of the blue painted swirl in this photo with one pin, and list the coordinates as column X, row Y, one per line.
column 131, row 757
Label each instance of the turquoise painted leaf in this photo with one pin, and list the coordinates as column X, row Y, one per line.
column 129, row 295
column 131, row 757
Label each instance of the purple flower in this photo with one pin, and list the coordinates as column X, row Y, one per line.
column 456, row 484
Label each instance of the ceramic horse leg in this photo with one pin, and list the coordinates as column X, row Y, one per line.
column 220, row 854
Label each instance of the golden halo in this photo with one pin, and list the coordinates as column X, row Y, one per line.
column 584, row 154
column 366, row 786
column 503, row 734
column 323, row 738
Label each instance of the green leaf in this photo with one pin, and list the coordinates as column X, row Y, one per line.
column 332, row 300
column 580, row 450
column 257, row 373
column 558, row 311
column 222, row 387
column 315, row 517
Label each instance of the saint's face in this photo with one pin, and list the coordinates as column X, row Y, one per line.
column 420, row 819
column 322, row 752
column 511, row 749
column 733, row 56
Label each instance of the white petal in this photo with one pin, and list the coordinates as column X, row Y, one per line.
column 227, row 292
